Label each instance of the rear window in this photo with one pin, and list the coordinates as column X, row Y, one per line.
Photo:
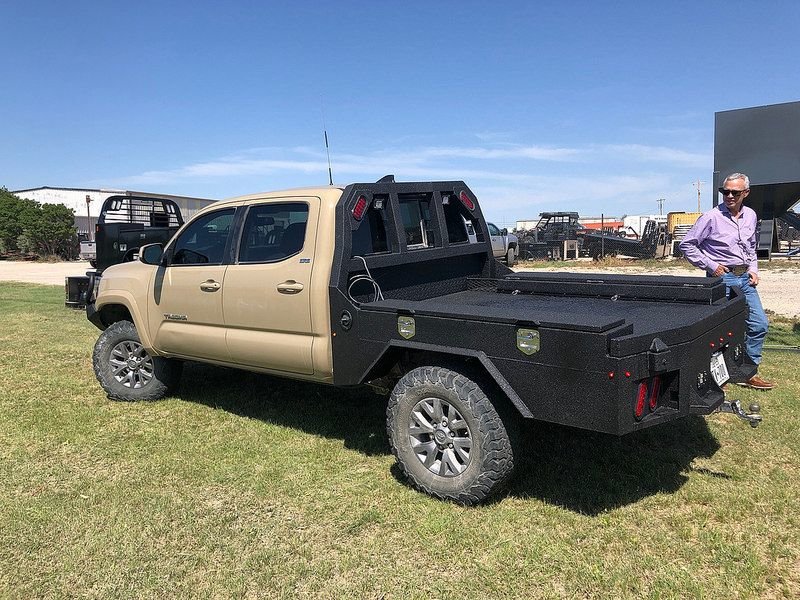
column 370, row 237
column 462, row 227
column 415, row 211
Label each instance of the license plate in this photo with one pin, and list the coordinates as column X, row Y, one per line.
column 719, row 371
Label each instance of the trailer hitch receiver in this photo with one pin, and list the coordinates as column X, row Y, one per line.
column 734, row 407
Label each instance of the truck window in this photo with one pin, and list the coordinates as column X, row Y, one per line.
column 460, row 224
column 203, row 241
column 370, row 237
column 273, row 232
column 415, row 211
column 493, row 230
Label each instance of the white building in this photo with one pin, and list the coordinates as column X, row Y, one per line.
column 87, row 202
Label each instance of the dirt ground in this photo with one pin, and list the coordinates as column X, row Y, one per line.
column 779, row 288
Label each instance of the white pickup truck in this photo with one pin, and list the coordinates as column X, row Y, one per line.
column 505, row 245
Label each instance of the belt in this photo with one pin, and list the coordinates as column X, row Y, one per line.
column 738, row 269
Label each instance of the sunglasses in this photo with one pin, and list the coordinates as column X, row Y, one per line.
column 734, row 193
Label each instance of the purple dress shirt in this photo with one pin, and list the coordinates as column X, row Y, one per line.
column 717, row 238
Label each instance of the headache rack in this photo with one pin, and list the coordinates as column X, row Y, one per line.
column 149, row 212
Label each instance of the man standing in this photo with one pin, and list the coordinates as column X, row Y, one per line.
column 723, row 242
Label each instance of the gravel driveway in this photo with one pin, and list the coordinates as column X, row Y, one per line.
column 779, row 288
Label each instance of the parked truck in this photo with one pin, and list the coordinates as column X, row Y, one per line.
column 127, row 221
column 382, row 284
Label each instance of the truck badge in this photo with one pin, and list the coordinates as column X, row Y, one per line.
column 173, row 317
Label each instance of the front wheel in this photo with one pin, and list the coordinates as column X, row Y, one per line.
column 448, row 438
column 511, row 257
column 126, row 371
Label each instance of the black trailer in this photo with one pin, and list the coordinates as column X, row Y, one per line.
column 551, row 237
column 654, row 243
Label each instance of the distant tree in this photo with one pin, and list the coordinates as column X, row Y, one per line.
column 52, row 231
column 27, row 226
column 14, row 212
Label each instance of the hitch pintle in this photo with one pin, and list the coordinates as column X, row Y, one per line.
column 734, row 407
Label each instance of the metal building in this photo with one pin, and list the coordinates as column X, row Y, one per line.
column 764, row 143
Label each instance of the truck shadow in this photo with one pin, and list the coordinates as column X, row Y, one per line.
column 357, row 416
column 590, row 473
column 581, row 471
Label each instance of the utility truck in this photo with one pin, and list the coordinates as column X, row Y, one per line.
column 382, row 284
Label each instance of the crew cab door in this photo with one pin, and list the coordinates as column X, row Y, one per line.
column 185, row 303
column 267, row 300
column 498, row 241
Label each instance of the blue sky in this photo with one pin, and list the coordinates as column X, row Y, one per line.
column 587, row 106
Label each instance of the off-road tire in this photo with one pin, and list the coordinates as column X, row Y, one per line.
column 511, row 257
column 150, row 378
column 491, row 457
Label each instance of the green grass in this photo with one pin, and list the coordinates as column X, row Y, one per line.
column 245, row 485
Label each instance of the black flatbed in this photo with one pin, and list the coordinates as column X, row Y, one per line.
column 580, row 349
column 632, row 310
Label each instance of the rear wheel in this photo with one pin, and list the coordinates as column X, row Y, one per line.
column 448, row 438
column 126, row 371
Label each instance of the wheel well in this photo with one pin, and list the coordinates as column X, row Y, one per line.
column 111, row 313
column 396, row 362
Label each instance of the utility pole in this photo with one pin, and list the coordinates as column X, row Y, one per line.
column 88, row 218
column 697, row 184
column 661, row 205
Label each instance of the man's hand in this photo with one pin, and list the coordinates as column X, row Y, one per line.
column 753, row 278
column 720, row 271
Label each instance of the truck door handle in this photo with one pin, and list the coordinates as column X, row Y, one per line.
column 290, row 287
column 209, row 286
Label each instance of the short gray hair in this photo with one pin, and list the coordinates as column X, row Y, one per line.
column 733, row 176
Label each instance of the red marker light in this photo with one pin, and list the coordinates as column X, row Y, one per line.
column 627, row 373
column 360, row 208
column 611, row 374
column 466, row 201
column 713, row 345
column 730, row 334
column 721, row 340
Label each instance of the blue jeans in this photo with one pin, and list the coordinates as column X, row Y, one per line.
column 757, row 322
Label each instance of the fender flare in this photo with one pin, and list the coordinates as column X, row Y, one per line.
column 485, row 361
column 124, row 298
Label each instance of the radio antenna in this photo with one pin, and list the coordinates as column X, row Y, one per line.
column 327, row 148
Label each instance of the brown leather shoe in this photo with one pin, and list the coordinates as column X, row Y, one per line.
column 756, row 383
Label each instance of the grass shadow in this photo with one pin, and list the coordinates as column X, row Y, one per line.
column 582, row 471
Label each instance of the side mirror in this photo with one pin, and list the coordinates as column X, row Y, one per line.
column 151, row 254
column 504, row 231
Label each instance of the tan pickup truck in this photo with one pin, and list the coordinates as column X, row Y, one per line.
column 395, row 284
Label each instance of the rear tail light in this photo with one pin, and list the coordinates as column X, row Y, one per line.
column 640, row 400
column 360, row 208
column 647, row 395
column 466, row 201
column 655, row 389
